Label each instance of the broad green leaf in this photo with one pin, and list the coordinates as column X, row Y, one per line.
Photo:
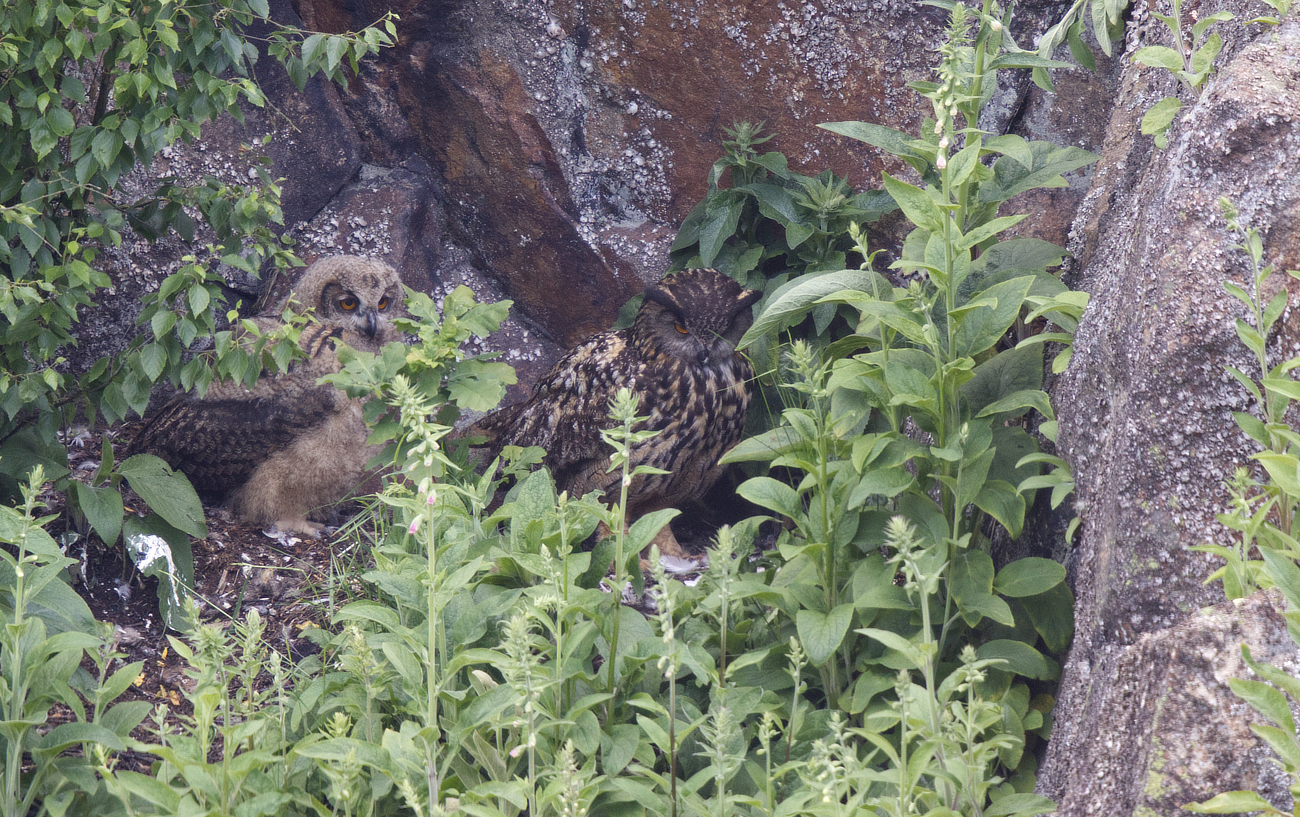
column 1284, row 386
column 1160, row 116
column 1285, row 574
column 1282, row 742
column 915, row 203
column 982, row 328
column 1021, row 659
column 1025, row 59
column 1017, row 402
column 168, row 493
column 1159, row 56
column 1029, row 577
column 775, row 202
column 618, row 745
column 887, row 139
column 1009, row 144
column 765, row 447
column 1020, row 805
column 895, row 642
column 1010, row 177
column 961, row 165
column 102, row 507
column 984, row 232
column 1232, row 802
column 792, row 301
column 67, row 735
column 822, row 633
column 906, row 323
column 972, row 574
column 1008, row 384
column 149, row 789
column 717, row 229
column 972, row 477
column 773, row 495
column 1267, row 700
column 885, row 482
column 647, row 527
column 1281, row 470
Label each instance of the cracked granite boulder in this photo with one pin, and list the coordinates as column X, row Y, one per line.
column 1145, row 409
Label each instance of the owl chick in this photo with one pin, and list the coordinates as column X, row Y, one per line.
column 679, row 357
column 287, row 446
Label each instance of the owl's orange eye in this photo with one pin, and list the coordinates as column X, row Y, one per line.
column 348, row 303
column 383, row 302
column 681, row 329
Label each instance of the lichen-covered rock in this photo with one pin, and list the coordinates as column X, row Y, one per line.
column 1166, row 729
column 1145, row 409
column 573, row 137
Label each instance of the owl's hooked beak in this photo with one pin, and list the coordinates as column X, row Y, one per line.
column 372, row 323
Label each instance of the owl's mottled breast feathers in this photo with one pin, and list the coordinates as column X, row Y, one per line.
column 679, row 358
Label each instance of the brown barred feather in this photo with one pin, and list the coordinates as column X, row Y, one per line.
column 679, row 357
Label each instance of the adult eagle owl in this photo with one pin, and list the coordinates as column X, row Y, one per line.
column 679, row 357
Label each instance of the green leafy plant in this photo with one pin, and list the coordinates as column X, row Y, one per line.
column 1191, row 61
column 1269, row 697
column 925, row 357
column 47, row 631
column 875, row 661
column 90, row 91
column 1263, row 515
column 771, row 222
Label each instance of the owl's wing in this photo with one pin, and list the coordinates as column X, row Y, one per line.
column 218, row 440
column 567, row 411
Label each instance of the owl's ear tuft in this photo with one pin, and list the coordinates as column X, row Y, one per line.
column 748, row 297
column 663, row 297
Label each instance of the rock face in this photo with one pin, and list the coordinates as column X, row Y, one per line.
column 1167, row 729
column 572, row 138
column 1145, row 409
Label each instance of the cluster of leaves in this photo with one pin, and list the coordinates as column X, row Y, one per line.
column 1269, row 697
column 771, row 224
column 1262, row 515
column 91, row 90
column 45, row 631
column 1191, row 61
